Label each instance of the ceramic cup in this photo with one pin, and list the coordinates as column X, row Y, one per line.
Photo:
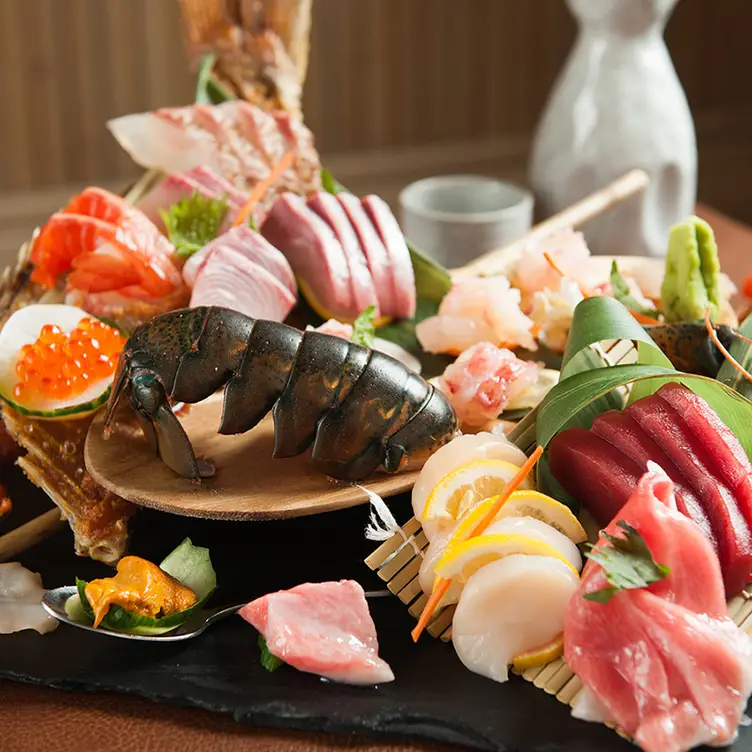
column 456, row 218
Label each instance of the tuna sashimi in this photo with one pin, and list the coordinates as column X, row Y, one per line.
column 231, row 280
column 331, row 211
column 250, row 244
column 664, row 662
column 323, row 628
column 732, row 531
column 401, row 267
column 621, row 430
column 314, row 253
column 593, row 471
column 374, row 250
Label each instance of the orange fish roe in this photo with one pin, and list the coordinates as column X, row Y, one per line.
column 63, row 365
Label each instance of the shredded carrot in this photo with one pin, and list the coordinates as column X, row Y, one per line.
column 261, row 188
column 641, row 318
column 442, row 585
column 726, row 354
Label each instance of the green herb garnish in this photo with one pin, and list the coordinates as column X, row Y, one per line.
column 621, row 292
column 627, row 564
column 268, row 661
column 193, row 222
column 364, row 331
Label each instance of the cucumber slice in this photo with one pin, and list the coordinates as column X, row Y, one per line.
column 190, row 565
column 23, row 328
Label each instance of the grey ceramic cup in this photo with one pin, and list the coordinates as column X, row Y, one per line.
column 456, row 218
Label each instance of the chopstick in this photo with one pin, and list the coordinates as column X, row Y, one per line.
column 30, row 533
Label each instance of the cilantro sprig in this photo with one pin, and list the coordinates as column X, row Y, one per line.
column 364, row 329
column 193, row 222
column 628, row 564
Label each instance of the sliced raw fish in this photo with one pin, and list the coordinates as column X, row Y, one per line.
column 731, row 529
column 218, row 186
column 168, row 192
column 508, row 607
column 231, row 280
column 299, row 140
column 621, row 430
column 400, row 264
column 593, row 471
column 21, row 595
column 259, row 128
column 250, row 244
column 374, row 250
column 330, row 210
column 665, row 663
column 314, row 253
column 323, row 628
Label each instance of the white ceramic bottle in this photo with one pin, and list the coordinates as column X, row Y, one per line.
column 619, row 105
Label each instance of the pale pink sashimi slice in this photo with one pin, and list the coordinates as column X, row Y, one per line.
column 403, row 275
column 299, row 140
column 322, row 628
column 218, row 186
column 258, row 127
column 314, row 253
column 251, row 244
column 168, row 192
column 331, row 211
column 231, row 280
column 129, row 306
column 373, row 249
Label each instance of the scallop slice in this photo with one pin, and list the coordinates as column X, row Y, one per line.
column 511, row 606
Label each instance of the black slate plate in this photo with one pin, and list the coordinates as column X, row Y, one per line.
column 434, row 697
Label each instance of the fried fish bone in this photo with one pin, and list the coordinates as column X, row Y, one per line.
column 359, row 409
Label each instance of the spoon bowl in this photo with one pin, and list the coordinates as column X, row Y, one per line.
column 54, row 602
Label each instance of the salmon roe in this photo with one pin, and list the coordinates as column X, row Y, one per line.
column 62, row 365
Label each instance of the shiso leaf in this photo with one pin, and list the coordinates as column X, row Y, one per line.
column 269, row 661
column 364, row 331
column 193, row 222
column 621, row 292
column 627, row 563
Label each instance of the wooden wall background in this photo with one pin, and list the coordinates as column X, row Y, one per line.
column 397, row 89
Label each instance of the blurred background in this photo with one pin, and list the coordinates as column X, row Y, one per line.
column 396, row 90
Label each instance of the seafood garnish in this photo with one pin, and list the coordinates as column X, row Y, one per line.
column 21, row 595
column 187, row 355
column 552, row 312
column 664, row 662
column 321, row 628
column 474, row 311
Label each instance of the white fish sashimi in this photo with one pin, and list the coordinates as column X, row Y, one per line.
column 454, row 455
column 21, row 595
column 508, row 607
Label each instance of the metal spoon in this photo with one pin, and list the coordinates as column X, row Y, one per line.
column 54, row 602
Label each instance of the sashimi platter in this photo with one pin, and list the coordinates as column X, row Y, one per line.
column 250, row 396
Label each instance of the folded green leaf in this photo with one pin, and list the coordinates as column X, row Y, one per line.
column 364, row 331
column 208, row 89
column 627, row 563
column 193, row 222
column 741, row 351
column 269, row 661
column 622, row 293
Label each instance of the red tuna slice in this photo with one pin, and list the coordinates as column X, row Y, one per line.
column 254, row 246
column 230, row 280
column 621, row 430
column 314, row 253
column 331, row 211
column 593, row 471
column 324, row 629
column 662, row 423
column 403, row 275
column 727, row 456
column 374, row 250
column 218, row 186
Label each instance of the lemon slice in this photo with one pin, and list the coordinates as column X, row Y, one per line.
column 539, row 656
column 463, row 488
column 536, row 504
column 464, row 559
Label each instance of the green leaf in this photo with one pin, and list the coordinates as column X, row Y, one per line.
column 330, row 184
column 208, row 89
column 627, row 563
column 621, row 292
column 193, row 222
column 364, row 331
column 741, row 351
column 268, row 661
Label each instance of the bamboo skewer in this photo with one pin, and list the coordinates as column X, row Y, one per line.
column 30, row 533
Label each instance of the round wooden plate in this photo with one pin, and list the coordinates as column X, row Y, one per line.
column 248, row 485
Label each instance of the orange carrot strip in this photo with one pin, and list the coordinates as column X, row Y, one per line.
column 742, row 337
column 261, row 188
column 726, row 354
column 442, row 585
column 641, row 318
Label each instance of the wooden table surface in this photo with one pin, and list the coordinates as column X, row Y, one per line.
column 37, row 718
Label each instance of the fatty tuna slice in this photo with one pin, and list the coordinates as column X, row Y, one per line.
column 621, row 430
column 403, row 276
column 251, row 244
column 660, row 421
column 323, row 628
column 230, row 280
column 314, row 254
column 330, row 210
column 374, row 250
column 593, row 471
